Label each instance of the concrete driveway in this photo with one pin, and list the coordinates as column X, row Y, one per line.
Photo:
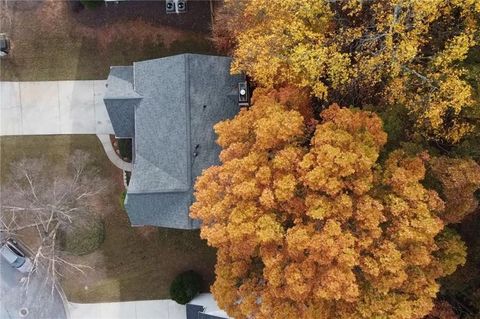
column 38, row 300
column 53, row 107
column 152, row 309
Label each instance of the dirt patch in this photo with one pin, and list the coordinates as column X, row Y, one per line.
column 144, row 33
column 53, row 12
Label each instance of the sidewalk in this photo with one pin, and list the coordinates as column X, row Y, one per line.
column 53, row 107
column 152, row 309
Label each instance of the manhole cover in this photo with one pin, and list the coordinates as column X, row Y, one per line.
column 23, row 312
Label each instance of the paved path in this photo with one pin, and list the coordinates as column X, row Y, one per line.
column 112, row 156
column 153, row 309
column 53, row 107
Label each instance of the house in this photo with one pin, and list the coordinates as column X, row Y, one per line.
column 204, row 306
column 168, row 106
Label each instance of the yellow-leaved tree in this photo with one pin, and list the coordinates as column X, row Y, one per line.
column 308, row 223
column 382, row 52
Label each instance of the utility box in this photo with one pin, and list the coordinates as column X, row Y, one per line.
column 176, row 6
column 170, row 6
column 181, row 6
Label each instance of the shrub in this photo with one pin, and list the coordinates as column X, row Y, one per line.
column 122, row 199
column 82, row 237
column 125, row 148
column 185, row 287
column 92, row 4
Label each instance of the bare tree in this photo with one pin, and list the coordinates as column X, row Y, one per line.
column 38, row 198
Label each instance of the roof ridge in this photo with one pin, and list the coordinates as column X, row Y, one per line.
column 139, row 97
column 188, row 118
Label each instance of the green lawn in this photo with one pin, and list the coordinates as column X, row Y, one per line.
column 133, row 263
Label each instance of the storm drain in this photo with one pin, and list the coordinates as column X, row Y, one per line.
column 23, row 312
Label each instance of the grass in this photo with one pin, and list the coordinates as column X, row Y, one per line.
column 55, row 149
column 56, row 44
column 82, row 59
column 133, row 263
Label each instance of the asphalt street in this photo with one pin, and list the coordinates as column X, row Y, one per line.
column 36, row 302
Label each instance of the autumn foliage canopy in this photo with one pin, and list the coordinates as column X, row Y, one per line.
column 310, row 224
column 383, row 52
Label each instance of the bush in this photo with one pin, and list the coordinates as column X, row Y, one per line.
column 92, row 4
column 83, row 237
column 185, row 287
column 125, row 148
column 122, row 199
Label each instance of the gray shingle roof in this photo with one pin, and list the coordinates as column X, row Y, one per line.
column 178, row 99
column 162, row 126
column 120, row 83
column 202, row 315
column 193, row 311
column 204, row 306
column 160, row 209
column 121, row 100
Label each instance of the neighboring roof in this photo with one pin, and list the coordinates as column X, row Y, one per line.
column 193, row 311
column 178, row 100
column 204, row 306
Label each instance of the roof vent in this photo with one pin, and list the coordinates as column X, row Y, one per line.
column 243, row 94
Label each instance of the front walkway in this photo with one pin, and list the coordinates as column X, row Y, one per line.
column 112, row 156
column 53, row 107
column 152, row 309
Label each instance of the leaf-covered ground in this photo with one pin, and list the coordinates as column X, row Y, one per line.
column 133, row 263
column 56, row 40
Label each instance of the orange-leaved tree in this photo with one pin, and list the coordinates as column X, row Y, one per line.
column 309, row 224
